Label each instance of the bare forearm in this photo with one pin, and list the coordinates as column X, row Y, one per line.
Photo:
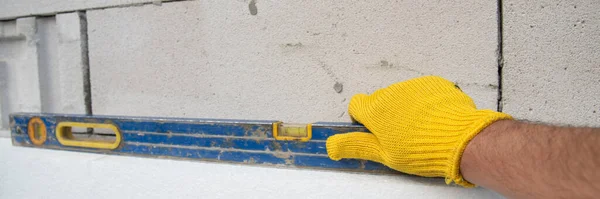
column 523, row 160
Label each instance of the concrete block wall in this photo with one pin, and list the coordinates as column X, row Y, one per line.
column 288, row 60
column 298, row 61
column 41, row 66
column 19, row 63
column 22, row 8
column 552, row 61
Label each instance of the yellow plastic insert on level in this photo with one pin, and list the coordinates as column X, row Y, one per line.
column 292, row 132
column 65, row 135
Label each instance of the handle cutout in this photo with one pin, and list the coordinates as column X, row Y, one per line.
column 88, row 135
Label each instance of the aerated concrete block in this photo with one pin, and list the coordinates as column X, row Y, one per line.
column 289, row 60
column 552, row 61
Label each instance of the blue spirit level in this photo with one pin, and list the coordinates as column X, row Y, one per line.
column 261, row 142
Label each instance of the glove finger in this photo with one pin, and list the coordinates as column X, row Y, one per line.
column 355, row 145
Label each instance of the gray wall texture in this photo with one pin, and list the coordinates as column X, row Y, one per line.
column 552, row 61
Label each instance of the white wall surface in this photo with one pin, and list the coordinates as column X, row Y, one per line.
column 216, row 59
column 60, row 174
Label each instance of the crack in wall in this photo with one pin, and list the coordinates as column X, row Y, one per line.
column 500, row 55
column 87, row 90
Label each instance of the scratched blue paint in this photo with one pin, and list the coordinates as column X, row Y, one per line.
column 243, row 141
column 377, row 166
column 20, row 120
column 20, row 139
column 224, row 129
column 231, row 156
column 315, row 161
column 321, row 132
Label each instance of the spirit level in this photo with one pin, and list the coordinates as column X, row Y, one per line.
column 264, row 142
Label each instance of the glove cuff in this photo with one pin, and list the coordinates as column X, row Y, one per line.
column 485, row 118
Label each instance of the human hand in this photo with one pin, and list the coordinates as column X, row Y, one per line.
column 420, row 126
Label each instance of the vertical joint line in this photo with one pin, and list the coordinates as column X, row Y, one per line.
column 87, row 91
column 500, row 56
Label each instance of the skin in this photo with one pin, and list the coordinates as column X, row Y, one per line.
column 524, row 160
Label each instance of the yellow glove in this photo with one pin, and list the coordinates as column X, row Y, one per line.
column 420, row 126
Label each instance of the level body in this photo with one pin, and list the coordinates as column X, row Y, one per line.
column 232, row 141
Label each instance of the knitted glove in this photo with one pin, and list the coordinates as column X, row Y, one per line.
column 420, row 126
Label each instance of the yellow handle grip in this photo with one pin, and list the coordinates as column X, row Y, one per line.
column 65, row 135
